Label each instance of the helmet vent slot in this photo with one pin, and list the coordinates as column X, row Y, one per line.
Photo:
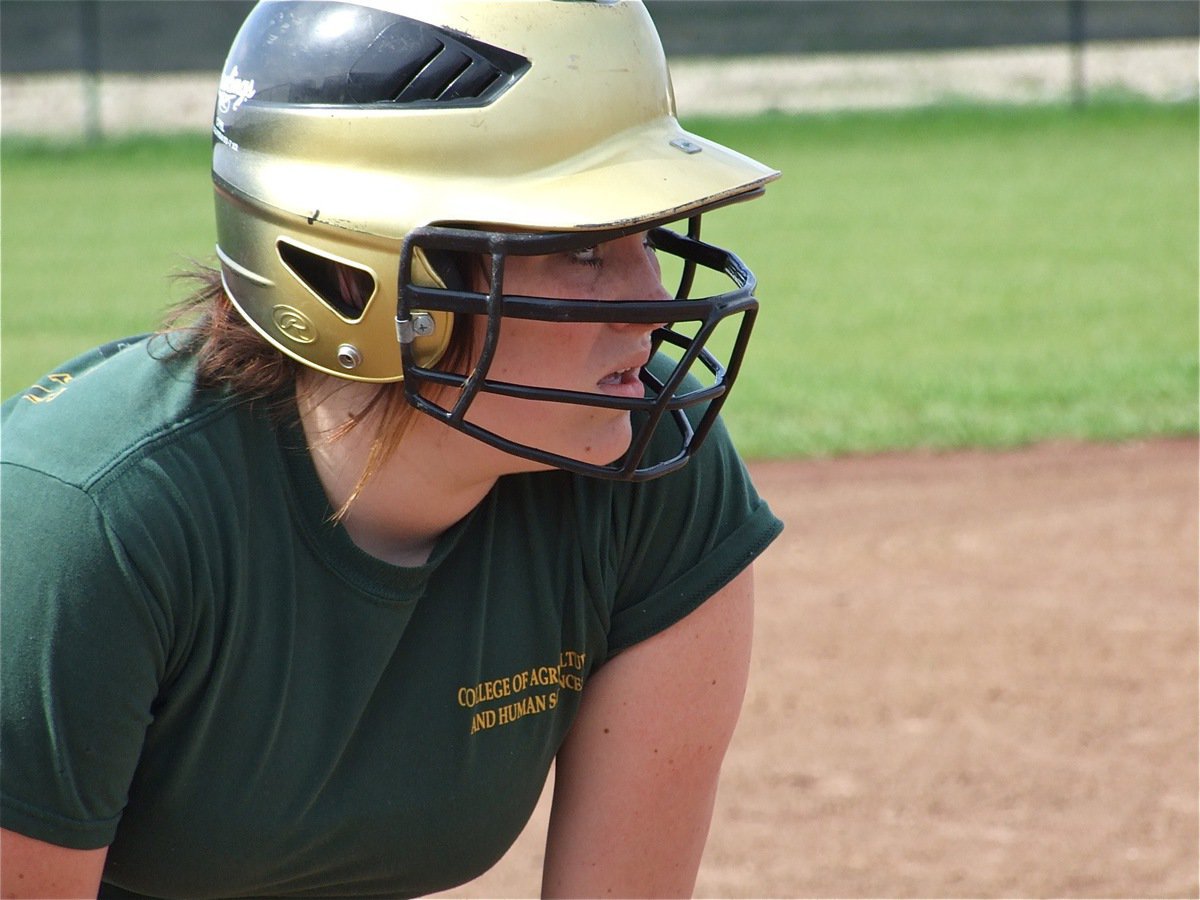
column 436, row 77
column 344, row 288
column 439, row 66
column 335, row 53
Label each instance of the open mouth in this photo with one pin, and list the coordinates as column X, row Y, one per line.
column 623, row 382
column 625, row 376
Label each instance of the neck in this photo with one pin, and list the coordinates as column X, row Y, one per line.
column 414, row 496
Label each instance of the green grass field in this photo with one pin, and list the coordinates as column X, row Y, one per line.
column 932, row 278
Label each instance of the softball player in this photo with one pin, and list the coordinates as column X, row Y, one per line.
column 423, row 492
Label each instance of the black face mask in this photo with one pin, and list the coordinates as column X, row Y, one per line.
column 670, row 396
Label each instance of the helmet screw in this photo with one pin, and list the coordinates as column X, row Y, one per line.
column 422, row 324
column 349, row 357
column 419, row 324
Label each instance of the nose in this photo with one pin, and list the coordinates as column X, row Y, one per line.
column 641, row 277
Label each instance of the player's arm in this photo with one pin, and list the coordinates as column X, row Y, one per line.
column 637, row 776
column 33, row 868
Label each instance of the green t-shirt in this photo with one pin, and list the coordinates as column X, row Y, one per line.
column 203, row 671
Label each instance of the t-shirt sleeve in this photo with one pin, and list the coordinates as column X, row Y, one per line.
column 685, row 536
column 83, row 650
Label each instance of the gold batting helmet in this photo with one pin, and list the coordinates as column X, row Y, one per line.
column 357, row 144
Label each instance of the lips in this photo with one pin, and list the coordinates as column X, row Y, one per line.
column 625, row 376
column 625, row 381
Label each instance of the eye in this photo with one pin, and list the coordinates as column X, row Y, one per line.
column 587, row 256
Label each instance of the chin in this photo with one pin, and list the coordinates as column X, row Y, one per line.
column 607, row 443
column 594, row 436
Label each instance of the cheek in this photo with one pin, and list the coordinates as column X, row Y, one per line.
column 541, row 352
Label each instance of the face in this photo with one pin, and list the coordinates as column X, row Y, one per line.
column 593, row 357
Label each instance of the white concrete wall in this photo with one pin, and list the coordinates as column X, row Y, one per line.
column 69, row 104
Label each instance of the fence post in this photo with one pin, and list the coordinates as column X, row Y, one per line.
column 1077, row 36
column 89, row 35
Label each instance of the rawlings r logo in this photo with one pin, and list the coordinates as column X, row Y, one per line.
column 293, row 324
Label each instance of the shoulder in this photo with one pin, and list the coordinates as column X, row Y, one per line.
column 118, row 456
column 671, row 542
column 704, row 500
column 108, row 410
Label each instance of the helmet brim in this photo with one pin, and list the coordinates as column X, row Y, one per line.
column 650, row 173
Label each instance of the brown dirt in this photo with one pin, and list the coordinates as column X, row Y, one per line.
column 975, row 676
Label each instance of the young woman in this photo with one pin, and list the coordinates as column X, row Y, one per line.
column 417, row 497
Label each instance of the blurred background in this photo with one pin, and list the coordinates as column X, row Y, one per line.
column 112, row 66
column 975, row 672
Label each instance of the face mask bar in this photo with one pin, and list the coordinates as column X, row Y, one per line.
column 668, row 397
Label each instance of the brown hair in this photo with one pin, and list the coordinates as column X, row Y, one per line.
column 230, row 354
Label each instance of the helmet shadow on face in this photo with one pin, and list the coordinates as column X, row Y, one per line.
column 672, row 391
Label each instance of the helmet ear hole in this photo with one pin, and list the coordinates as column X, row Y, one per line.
column 339, row 285
column 454, row 269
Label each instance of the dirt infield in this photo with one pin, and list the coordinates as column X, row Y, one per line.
column 975, row 676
